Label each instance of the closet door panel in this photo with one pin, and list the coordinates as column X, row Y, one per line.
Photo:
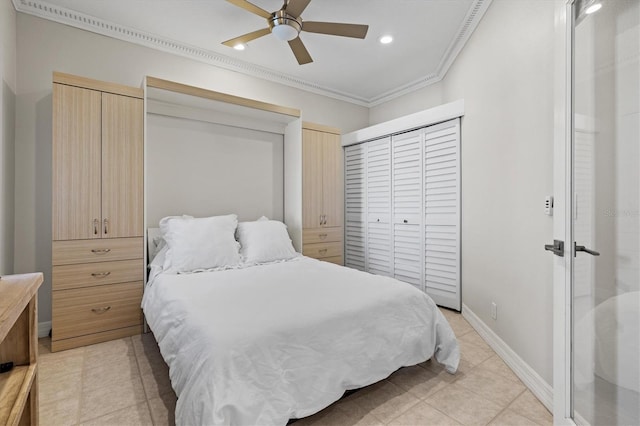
column 312, row 175
column 355, row 206
column 442, row 213
column 122, row 166
column 379, row 241
column 332, row 180
column 407, row 207
column 76, row 163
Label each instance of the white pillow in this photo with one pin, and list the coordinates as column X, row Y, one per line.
column 200, row 243
column 265, row 241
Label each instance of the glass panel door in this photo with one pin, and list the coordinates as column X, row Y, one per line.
column 606, row 212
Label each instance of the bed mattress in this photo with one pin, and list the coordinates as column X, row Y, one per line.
column 266, row 343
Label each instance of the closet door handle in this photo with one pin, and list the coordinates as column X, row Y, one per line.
column 106, row 223
column 95, row 226
column 405, row 221
column 100, row 310
column 100, row 251
column 584, row 249
column 100, row 274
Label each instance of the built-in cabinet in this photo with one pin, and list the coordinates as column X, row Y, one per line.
column 403, row 209
column 98, row 266
column 322, row 193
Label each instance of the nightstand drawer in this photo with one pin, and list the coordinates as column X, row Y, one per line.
column 338, row 260
column 82, row 311
column 91, row 274
column 320, row 250
column 98, row 250
column 321, row 235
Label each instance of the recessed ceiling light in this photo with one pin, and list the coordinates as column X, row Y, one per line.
column 239, row 46
column 593, row 8
column 386, row 39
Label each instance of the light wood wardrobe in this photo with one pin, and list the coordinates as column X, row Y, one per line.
column 97, row 253
column 322, row 193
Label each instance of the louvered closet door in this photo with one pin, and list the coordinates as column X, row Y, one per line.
column 355, row 205
column 442, row 213
column 407, row 207
column 379, row 258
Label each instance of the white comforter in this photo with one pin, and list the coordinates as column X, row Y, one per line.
column 262, row 344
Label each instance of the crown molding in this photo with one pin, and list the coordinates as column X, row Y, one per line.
column 45, row 10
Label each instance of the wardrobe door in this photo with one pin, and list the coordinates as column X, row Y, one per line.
column 332, row 180
column 76, row 163
column 355, row 206
column 312, row 150
column 407, row 207
column 442, row 213
column 379, row 256
column 122, row 166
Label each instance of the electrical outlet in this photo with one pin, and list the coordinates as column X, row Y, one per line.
column 494, row 310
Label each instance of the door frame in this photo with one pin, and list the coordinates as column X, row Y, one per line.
column 562, row 220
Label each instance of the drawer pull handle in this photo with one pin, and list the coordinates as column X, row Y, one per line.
column 100, row 251
column 322, row 251
column 322, row 236
column 100, row 310
column 106, row 224
column 100, row 274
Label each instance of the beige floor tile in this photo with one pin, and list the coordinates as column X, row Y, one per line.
column 58, row 364
column 423, row 414
column 144, row 342
column 334, row 415
column 492, row 386
column 150, row 360
column 136, row 415
column 420, row 381
column 473, row 353
column 163, row 409
column 61, row 387
column 111, row 371
column 384, row 400
column 44, row 346
column 510, row 418
column 463, row 405
column 107, row 399
column 474, row 337
column 458, row 324
column 156, row 383
column 59, row 413
column 110, row 352
column 529, row 406
column 496, row 365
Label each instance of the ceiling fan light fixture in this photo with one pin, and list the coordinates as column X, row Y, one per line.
column 240, row 46
column 284, row 26
column 385, row 39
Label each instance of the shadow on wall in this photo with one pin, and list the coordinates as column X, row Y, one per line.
column 7, row 196
column 43, row 168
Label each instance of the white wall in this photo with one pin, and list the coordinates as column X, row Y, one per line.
column 505, row 76
column 44, row 47
column 7, row 132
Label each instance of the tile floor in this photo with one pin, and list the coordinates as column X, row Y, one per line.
column 126, row 382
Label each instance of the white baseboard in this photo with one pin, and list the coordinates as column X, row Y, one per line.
column 536, row 384
column 44, row 328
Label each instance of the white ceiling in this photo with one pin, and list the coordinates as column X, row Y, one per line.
column 428, row 34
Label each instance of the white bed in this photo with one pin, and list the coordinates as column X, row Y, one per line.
column 265, row 343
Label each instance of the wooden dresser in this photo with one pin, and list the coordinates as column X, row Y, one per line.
column 322, row 193
column 98, row 248
column 19, row 344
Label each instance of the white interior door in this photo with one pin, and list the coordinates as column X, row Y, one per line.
column 379, row 256
column 355, row 206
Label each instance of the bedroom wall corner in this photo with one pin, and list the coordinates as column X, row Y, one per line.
column 7, row 134
column 505, row 76
column 293, row 182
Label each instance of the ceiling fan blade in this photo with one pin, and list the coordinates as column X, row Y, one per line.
column 246, row 38
column 301, row 52
column 296, row 7
column 250, row 7
column 334, row 28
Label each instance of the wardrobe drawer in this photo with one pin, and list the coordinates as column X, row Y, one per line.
column 82, row 311
column 99, row 273
column 322, row 250
column 98, row 250
column 338, row 260
column 321, row 235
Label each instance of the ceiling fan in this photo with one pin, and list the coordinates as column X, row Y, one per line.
column 286, row 24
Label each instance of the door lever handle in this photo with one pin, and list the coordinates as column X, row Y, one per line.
column 557, row 248
column 584, row 249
